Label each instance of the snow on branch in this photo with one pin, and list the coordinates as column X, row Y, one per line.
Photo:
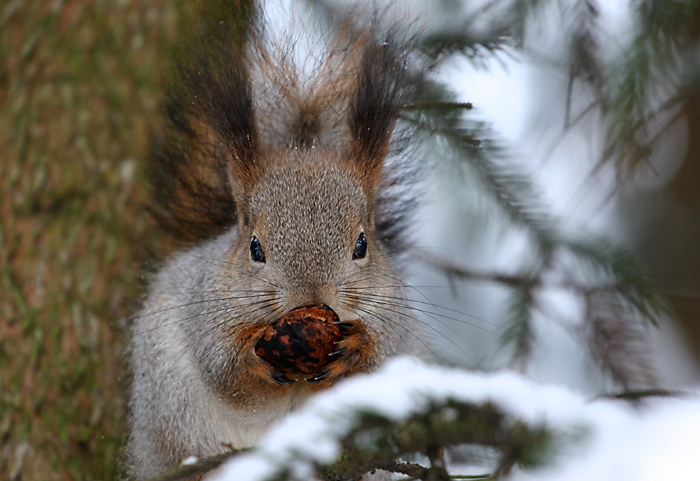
column 403, row 418
column 374, row 421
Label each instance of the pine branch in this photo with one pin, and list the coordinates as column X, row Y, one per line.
column 617, row 295
column 584, row 57
column 376, row 442
column 453, row 268
column 616, row 342
column 638, row 395
column 624, row 275
column 648, row 70
column 461, row 40
column 474, row 144
column 512, row 190
column 519, row 324
column 614, row 270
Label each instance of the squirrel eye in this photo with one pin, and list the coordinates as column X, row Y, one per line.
column 256, row 250
column 360, row 247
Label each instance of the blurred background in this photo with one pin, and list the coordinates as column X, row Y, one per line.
column 585, row 113
column 593, row 106
column 562, row 221
column 80, row 83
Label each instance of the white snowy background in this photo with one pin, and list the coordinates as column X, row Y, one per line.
column 524, row 99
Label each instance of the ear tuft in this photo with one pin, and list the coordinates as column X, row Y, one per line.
column 376, row 102
column 207, row 152
column 224, row 101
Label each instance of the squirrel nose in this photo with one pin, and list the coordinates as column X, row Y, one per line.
column 313, row 294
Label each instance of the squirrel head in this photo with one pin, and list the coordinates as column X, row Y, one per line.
column 306, row 210
column 299, row 165
column 308, row 225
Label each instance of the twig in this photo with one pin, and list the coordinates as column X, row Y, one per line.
column 202, row 466
column 438, row 104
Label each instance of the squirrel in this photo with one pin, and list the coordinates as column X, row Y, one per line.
column 287, row 177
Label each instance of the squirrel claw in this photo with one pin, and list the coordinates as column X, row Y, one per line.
column 282, row 379
column 319, row 377
column 338, row 352
column 345, row 326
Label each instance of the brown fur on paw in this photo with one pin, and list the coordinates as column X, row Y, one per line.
column 355, row 353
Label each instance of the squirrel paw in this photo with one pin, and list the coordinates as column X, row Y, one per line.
column 349, row 354
column 309, row 343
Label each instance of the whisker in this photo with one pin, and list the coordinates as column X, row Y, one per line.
column 267, row 281
column 427, row 302
column 206, row 313
column 270, row 315
column 426, row 324
column 420, row 321
column 386, row 301
column 143, row 315
column 212, row 327
column 464, row 339
column 425, row 311
column 210, row 291
column 430, row 286
column 388, row 319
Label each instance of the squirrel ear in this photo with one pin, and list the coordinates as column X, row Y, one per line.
column 230, row 114
column 375, row 105
column 217, row 80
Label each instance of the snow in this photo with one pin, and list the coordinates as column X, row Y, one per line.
column 659, row 442
column 191, row 460
column 655, row 441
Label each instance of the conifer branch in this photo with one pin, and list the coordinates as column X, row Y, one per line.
column 376, row 442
